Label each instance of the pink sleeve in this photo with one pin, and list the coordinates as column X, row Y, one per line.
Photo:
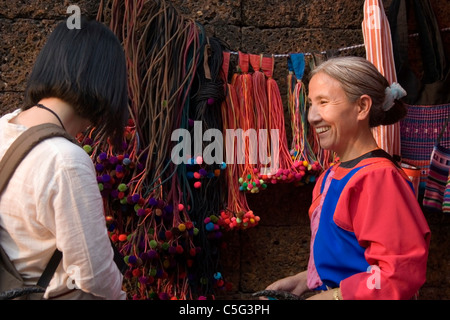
column 387, row 220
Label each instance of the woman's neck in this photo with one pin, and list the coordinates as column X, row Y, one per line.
column 362, row 144
column 62, row 111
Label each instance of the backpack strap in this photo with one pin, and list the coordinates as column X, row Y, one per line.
column 10, row 161
column 23, row 144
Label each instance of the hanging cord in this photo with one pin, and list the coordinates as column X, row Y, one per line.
column 357, row 46
column 41, row 106
column 208, row 178
column 236, row 208
column 149, row 215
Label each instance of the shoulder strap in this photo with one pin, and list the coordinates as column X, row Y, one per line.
column 11, row 160
column 23, row 144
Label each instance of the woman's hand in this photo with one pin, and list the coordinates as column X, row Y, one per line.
column 294, row 284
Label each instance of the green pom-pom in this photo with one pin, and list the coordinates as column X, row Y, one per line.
column 153, row 244
column 87, row 148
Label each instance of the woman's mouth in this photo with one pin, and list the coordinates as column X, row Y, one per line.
column 320, row 130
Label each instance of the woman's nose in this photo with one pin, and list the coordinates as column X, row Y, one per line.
column 313, row 114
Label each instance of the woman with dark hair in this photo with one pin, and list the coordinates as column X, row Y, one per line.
column 369, row 238
column 53, row 200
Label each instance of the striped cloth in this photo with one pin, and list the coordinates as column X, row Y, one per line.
column 378, row 44
column 420, row 131
column 436, row 196
column 446, row 203
column 437, row 179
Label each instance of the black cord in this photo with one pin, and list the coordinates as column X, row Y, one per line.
column 50, row 110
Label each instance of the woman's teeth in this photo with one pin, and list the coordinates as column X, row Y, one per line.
column 322, row 129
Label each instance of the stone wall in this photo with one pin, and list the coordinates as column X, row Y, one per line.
column 279, row 246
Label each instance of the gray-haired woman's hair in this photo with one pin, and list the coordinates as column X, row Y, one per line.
column 358, row 77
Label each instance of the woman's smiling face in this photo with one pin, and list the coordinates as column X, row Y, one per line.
column 332, row 115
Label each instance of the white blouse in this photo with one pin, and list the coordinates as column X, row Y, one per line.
column 53, row 201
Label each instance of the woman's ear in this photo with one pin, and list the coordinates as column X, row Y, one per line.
column 364, row 106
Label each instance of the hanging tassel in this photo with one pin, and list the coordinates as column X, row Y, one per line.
column 303, row 155
column 248, row 153
column 262, row 120
column 282, row 166
column 237, row 214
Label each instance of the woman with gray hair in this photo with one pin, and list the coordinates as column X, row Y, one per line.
column 369, row 238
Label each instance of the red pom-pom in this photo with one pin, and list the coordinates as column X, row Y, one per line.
column 137, row 272
column 179, row 249
column 114, row 237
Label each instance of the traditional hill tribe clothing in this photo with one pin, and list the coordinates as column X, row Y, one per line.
column 365, row 219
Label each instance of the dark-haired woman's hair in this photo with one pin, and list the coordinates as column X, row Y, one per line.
column 86, row 68
column 358, row 77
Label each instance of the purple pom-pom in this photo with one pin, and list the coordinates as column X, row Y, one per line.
column 102, row 156
column 135, row 197
column 152, row 202
column 132, row 259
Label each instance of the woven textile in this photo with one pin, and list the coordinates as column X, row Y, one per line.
column 446, row 203
column 437, row 179
column 420, row 131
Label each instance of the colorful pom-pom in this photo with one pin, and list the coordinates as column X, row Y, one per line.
column 209, row 226
column 87, row 148
column 152, row 202
column 153, row 244
column 102, row 157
